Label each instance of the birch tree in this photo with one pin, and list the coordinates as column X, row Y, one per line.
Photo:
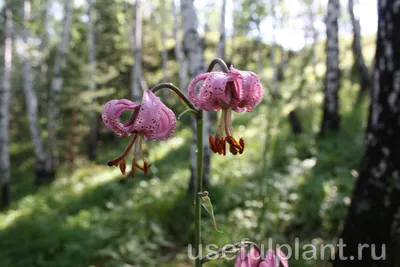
column 4, row 106
column 91, row 83
column 272, row 51
column 357, row 51
column 374, row 213
column 136, row 78
column 55, row 90
column 330, row 119
column 193, row 47
column 164, row 52
column 180, row 57
column 30, row 94
column 40, row 80
column 222, row 32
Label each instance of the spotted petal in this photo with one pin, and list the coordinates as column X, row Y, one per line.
column 111, row 116
column 213, row 93
column 154, row 119
column 167, row 124
column 249, row 88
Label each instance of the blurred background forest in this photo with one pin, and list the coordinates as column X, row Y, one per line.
column 62, row 60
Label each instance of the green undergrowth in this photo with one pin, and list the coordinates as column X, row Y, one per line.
column 95, row 217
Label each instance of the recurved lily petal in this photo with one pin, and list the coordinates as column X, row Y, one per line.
column 250, row 259
column 148, row 119
column 249, row 89
column 273, row 259
column 282, row 257
column 213, row 93
column 167, row 124
column 270, row 259
column 240, row 258
column 111, row 116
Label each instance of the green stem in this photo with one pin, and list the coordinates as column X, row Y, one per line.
column 199, row 189
column 221, row 64
column 179, row 93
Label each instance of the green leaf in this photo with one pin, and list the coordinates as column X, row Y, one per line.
column 187, row 111
column 206, row 203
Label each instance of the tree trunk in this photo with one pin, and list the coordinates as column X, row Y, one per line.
column 164, row 53
column 331, row 119
column 193, row 47
column 273, row 53
column 41, row 78
column 180, row 57
column 374, row 213
column 137, row 52
column 55, row 91
column 358, row 55
column 314, row 35
column 4, row 105
column 92, row 84
column 30, row 95
column 222, row 32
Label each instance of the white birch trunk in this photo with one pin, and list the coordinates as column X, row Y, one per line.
column 222, row 38
column 273, row 54
column 193, row 47
column 40, row 80
column 4, row 106
column 180, row 57
column 91, row 83
column 56, row 87
column 164, row 53
column 137, row 52
column 357, row 50
column 330, row 120
column 259, row 51
column 30, row 93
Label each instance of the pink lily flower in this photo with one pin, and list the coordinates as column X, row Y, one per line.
column 236, row 90
column 273, row 260
column 150, row 120
column 252, row 259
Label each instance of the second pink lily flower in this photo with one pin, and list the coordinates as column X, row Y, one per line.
column 253, row 258
column 236, row 90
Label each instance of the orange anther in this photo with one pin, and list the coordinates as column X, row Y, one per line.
column 212, row 144
column 241, row 142
column 122, row 166
column 146, row 167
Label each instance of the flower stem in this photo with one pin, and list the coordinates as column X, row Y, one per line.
column 221, row 64
column 179, row 93
column 199, row 185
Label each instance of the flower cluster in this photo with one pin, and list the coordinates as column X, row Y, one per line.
column 236, row 90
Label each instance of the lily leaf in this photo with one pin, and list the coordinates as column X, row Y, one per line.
column 206, row 203
column 187, row 111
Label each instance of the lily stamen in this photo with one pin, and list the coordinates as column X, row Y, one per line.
column 115, row 161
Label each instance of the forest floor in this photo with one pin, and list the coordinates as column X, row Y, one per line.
column 94, row 217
